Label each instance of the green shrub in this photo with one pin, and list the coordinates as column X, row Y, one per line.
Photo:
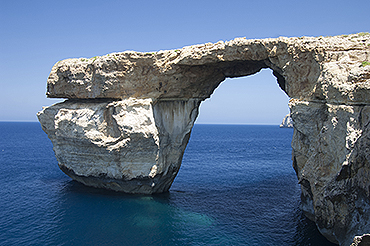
column 362, row 34
column 365, row 63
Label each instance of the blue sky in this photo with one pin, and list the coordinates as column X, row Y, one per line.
column 36, row 34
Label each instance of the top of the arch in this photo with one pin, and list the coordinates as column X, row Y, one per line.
column 330, row 69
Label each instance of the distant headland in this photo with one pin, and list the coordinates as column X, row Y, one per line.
column 287, row 122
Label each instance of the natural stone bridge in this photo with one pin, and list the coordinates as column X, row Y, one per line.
column 129, row 115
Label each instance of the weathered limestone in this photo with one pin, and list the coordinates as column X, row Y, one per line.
column 129, row 116
column 126, row 145
column 330, row 155
column 363, row 240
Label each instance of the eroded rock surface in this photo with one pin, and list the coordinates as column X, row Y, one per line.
column 126, row 145
column 129, row 116
column 363, row 240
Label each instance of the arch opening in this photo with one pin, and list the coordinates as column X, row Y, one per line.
column 252, row 99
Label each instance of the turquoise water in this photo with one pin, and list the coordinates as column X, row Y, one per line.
column 236, row 186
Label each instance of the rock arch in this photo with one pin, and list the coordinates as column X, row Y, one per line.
column 129, row 115
column 252, row 99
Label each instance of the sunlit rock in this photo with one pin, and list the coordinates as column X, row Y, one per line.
column 363, row 240
column 129, row 116
column 287, row 122
column 126, row 145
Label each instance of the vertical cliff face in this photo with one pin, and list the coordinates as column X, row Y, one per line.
column 132, row 145
column 330, row 155
column 129, row 116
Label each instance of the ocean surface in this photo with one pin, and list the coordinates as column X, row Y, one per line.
column 236, row 186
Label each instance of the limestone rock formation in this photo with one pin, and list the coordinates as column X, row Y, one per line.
column 363, row 240
column 129, row 116
column 130, row 145
column 287, row 122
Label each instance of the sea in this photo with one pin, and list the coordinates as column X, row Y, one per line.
column 236, row 186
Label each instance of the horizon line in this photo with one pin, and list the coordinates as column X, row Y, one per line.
column 208, row 123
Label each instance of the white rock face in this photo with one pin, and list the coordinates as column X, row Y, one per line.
column 127, row 145
column 287, row 122
column 129, row 116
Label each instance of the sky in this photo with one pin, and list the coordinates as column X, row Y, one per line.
column 34, row 35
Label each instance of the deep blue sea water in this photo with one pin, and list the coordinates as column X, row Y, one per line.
column 236, row 186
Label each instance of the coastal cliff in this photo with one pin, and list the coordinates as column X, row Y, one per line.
column 128, row 117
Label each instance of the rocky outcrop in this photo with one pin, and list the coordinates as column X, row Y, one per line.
column 129, row 116
column 363, row 240
column 287, row 122
column 130, row 145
